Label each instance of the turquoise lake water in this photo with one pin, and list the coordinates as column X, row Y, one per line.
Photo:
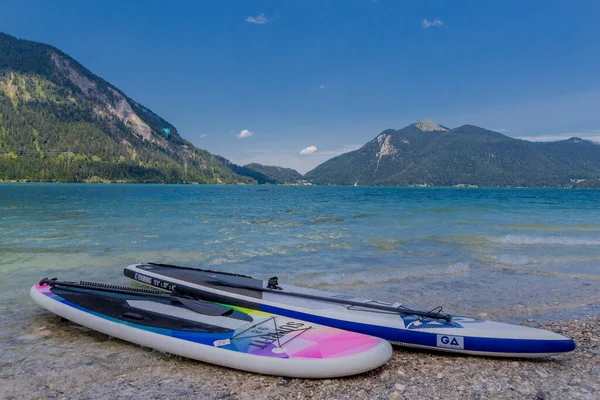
column 501, row 252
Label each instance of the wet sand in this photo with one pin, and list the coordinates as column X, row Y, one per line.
column 55, row 359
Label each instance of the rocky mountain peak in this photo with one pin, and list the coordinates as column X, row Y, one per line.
column 429, row 126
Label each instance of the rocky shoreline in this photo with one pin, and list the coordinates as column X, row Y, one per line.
column 59, row 360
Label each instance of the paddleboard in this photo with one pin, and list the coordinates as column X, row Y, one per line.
column 229, row 336
column 394, row 322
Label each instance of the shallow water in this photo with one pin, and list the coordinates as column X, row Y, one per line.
column 502, row 252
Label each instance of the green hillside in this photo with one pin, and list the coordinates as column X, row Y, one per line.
column 276, row 174
column 60, row 122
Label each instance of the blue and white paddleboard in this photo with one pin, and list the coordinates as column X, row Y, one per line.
column 391, row 321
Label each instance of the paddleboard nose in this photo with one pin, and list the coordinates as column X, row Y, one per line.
column 542, row 341
column 511, row 340
column 568, row 345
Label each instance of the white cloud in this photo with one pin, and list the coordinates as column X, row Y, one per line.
column 244, row 134
column 260, row 19
column 203, row 136
column 435, row 23
column 322, row 87
column 308, row 150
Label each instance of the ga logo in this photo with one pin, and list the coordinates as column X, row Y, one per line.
column 451, row 342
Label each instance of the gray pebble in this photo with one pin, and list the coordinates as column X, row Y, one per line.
column 588, row 386
column 400, row 387
column 541, row 395
column 385, row 374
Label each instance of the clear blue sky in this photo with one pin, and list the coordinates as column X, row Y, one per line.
column 333, row 74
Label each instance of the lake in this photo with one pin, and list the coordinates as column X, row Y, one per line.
column 504, row 253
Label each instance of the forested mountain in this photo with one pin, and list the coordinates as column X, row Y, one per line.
column 264, row 174
column 276, row 174
column 429, row 154
column 60, row 122
column 247, row 172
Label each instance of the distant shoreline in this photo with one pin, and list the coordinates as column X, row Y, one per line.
column 460, row 186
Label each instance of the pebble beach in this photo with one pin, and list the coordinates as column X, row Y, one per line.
column 56, row 359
